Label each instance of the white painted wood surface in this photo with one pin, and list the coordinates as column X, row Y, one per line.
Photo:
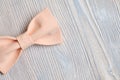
column 91, row 33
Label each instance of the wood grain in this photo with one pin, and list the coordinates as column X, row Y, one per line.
column 91, row 34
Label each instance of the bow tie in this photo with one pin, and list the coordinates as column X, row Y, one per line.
column 42, row 30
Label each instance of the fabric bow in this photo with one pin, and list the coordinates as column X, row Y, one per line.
column 42, row 30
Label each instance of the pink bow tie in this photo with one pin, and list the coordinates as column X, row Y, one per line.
column 43, row 30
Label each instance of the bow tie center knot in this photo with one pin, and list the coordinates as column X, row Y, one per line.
column 24, row 41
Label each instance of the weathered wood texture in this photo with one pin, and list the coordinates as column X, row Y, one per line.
column 91, row 33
